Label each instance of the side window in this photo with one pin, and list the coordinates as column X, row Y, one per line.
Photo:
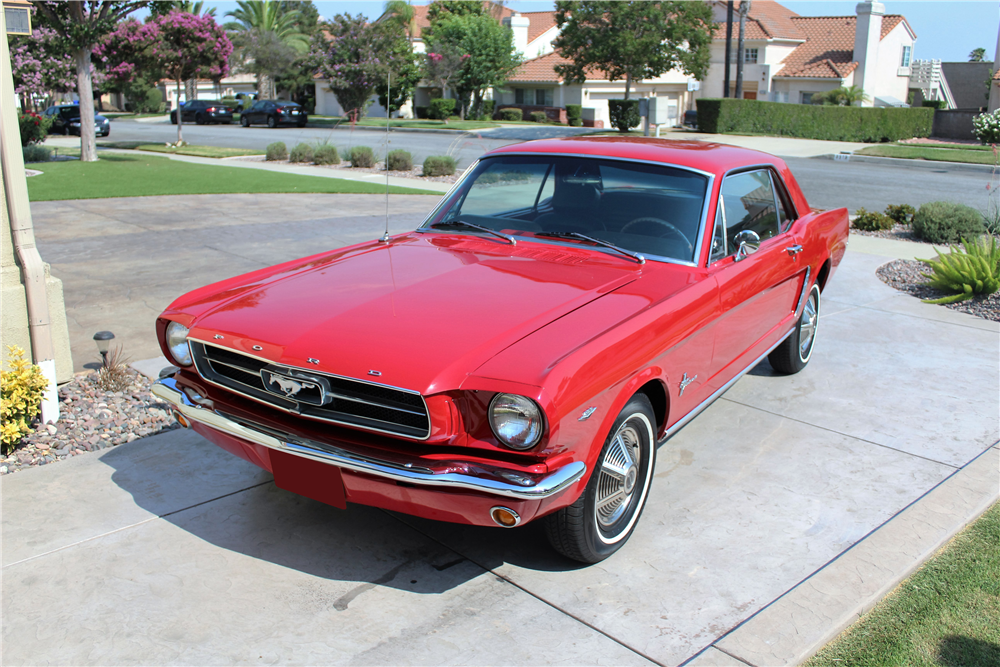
column 718, row 236
column 257, row 106
column 786, row 212
column 748, row 203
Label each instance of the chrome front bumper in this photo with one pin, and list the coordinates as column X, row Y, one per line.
column 487, row 479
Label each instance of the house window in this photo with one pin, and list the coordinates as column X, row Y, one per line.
column 905, row 60
column 543, row 97
column 750, row 55
column 519, row 96
column 807, row 98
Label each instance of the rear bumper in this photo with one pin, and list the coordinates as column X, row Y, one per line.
column 421, row 474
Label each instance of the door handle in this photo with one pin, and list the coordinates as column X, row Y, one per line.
column 793, row 250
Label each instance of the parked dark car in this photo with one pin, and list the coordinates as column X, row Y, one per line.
column 691, row 119
column 274, row 113
column 66, row 120
column 203, row 112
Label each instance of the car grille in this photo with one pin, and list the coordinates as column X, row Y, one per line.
column 365, row 405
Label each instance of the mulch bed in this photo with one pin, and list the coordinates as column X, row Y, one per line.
column 415, row 173
column 90, row 419
column 906, row 275
column 897, row 233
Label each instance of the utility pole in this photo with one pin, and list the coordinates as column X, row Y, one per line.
column 744, row 10
column 729, row 45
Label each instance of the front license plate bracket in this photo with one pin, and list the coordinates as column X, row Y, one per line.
column 305, row 477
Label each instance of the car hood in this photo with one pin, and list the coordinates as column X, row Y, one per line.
column 420, row 313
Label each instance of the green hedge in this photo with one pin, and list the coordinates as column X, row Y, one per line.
column 441, row 108
column 832, row 123
column 624, row 114
column 574, row 114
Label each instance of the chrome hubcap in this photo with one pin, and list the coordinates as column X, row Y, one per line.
column 807, row 331
column 619, row 472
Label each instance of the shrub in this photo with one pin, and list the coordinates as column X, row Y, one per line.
column 440, row 165
column 362, row 157
column 947, row 222
column 230, row 102
column 935, row 104
column 975, row 271
column 624, row 114
column 326, row 154
column 421, row 112
column 34, row 128
column 114, row 374
column 302, row 153
column 440, row 108
column 488, row 107
column 538, row 117
column 511, row 114
column 986, row 127
column 21, row 391
column 834, row 123
column 34, row 153
column 276, row 151
column 871, row 221
column 399, row 160
column 901, row 213
column 574, row 114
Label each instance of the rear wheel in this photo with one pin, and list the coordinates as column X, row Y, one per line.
column 795, row 351
column 199, row 119
column 271, row 122
column 244, row 121
column 604, row 516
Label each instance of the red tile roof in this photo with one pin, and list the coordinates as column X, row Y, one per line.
column 828, row 52
column 766, row 20
column 420, row 14
column 539, row 23
column 540, row 69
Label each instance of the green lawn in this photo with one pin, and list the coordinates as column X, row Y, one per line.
column 198, row 151
column 914, row 152
column 458, row 125
column 139, row 175
column 946, row 614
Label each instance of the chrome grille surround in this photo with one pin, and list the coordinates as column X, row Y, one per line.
column 357, row 403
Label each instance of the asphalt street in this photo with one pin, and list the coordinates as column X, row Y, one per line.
column 826, row 183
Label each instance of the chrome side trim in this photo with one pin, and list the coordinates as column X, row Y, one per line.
column 490, row 481
column 805, row 291
column 711, row 399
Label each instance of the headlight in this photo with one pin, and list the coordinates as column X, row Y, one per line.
column 177, row 343
column 516, row 421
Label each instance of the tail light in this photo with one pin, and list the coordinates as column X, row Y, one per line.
column 210, row 109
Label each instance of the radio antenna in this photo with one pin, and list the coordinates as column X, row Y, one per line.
column 388, row 112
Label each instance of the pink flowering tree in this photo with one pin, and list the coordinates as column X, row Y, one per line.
column 40, row 66
column 128, row 59
column 191, row 46
column 80, row 27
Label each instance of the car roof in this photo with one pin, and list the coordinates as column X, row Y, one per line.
column 705, row 156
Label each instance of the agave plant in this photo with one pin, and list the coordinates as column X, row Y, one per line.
column 974, row 271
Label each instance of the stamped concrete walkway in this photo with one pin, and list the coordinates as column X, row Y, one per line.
column 776, row 517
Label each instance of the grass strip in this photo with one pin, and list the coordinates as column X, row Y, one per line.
column 197, row 151
column 961, row 147
column 933, row 154
column 456, row 125
column 945, row 614
column 123, row 175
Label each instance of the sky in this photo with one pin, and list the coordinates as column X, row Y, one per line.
column 946, row 29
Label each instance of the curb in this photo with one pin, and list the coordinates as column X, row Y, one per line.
column 917, row 164
column 799, row 623
column 428, row 130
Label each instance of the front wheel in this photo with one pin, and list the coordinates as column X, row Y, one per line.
column 244, row 121
column 795, row 351
column 604, row 516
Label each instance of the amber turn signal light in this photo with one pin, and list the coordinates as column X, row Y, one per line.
column 181, row 419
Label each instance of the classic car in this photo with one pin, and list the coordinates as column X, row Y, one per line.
column 567, row 307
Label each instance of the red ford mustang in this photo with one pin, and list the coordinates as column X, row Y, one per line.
column 567, row 306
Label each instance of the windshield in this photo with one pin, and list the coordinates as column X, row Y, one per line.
column 649, row 209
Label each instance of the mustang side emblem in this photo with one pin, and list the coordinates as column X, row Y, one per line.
column 301, row 387
column 685, row 381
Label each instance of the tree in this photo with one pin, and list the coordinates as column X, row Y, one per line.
column 354, row 62
column 256, row 18
column 491, row 60
column 40, row 66
column 81, row 25
column 161, row 7
column 444, row 66
column 440, row 10
column 977, row 55
column 190, row 46
column 632, row 40
column 128, row 59
column 740, row 49
column 844, row 96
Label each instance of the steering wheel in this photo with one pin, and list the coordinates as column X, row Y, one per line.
column 667, row 230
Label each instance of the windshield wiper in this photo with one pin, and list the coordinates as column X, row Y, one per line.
column 577, row 235
column 462, row 223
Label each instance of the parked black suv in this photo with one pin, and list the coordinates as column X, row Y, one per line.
column 66, row 120
column 274, row 113
column 204, row 111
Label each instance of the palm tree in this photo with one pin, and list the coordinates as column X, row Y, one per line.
column 403, row 13
column 263, row 21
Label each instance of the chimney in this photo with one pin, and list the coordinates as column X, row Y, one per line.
column 867, row 35
column 519, row 26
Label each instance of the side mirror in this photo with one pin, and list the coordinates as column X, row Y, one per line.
column 747, row 243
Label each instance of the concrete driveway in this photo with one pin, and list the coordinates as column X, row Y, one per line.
column 775, row 516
